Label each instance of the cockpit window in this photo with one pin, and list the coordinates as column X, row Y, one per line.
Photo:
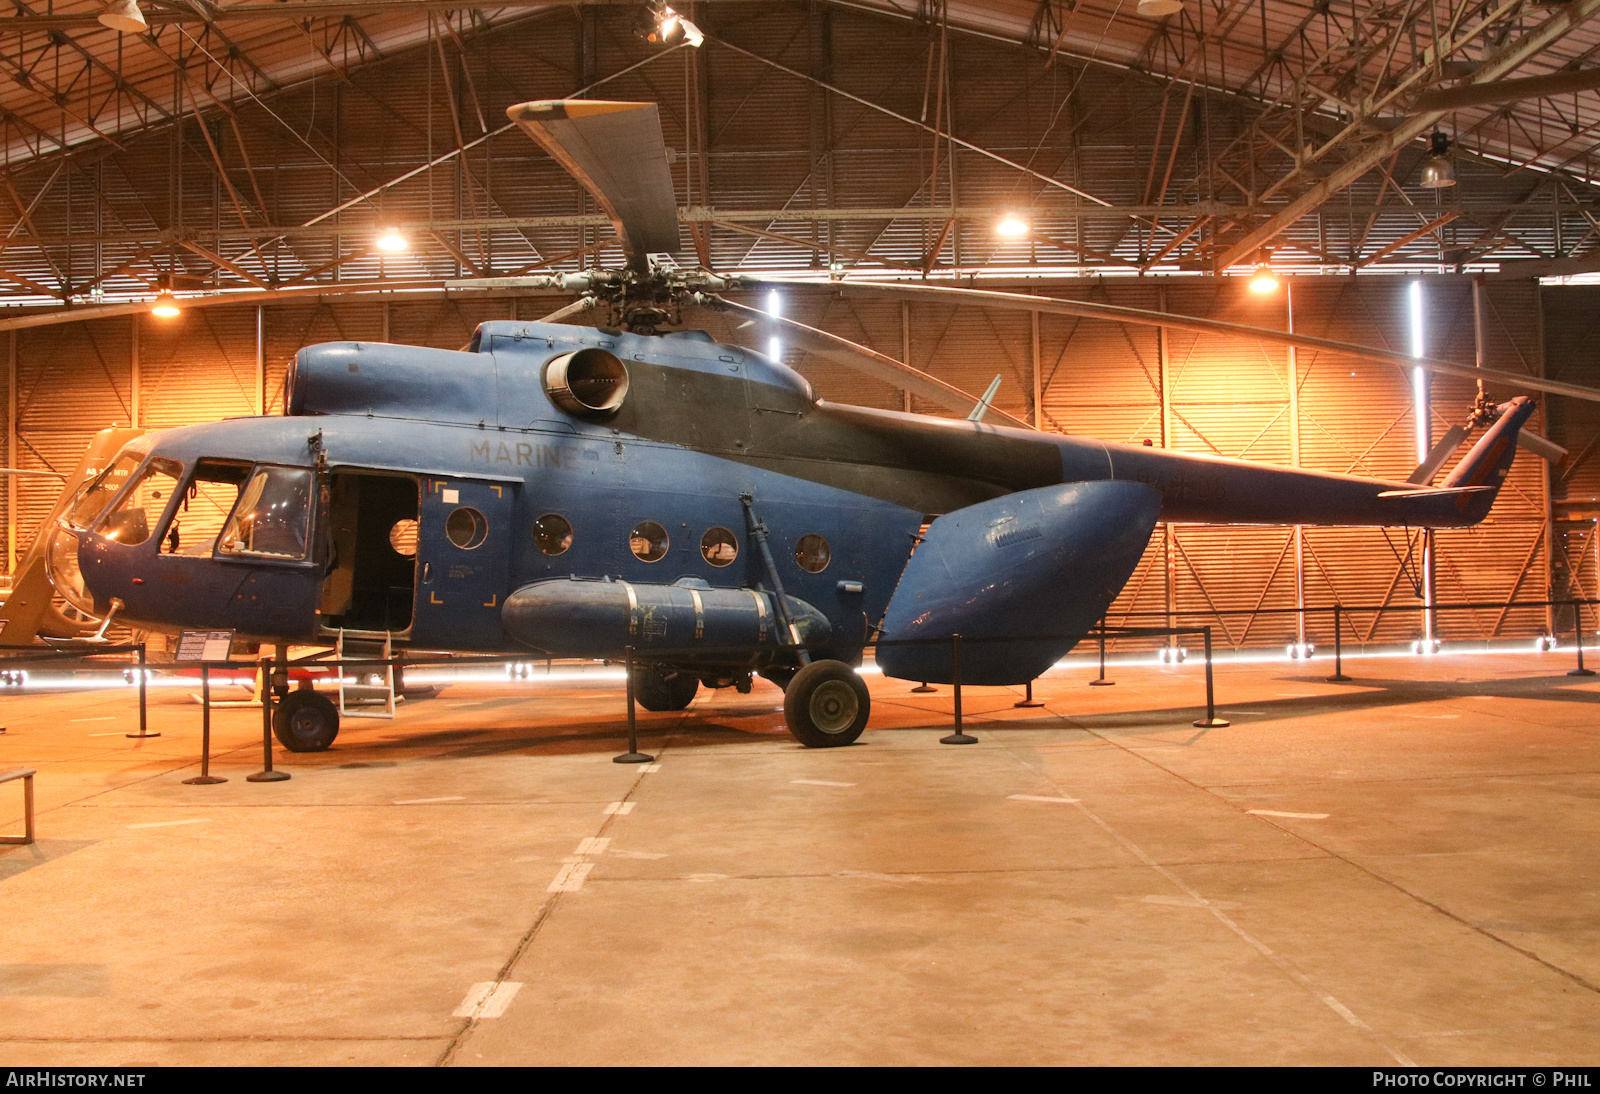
column 203, row 507
column 272, row 516
column 100, row 492
column 142, row 505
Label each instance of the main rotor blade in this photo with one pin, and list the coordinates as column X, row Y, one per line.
column 873, row 363
column 616, row 151
column 1505, row 91
column 1117, row 313
column 583, row 303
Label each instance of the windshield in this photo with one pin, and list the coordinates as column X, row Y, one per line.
column 98, row 493
column 272, row 515
column 142, row 505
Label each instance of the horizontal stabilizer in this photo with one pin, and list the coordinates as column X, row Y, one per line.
column 1438, row 492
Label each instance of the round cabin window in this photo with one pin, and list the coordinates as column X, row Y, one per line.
column 649, row 541
column 466, row 528
column 812, row 553
column 552, row 534
column 403, row 537
column 718, row 546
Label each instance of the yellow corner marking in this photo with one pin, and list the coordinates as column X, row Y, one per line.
column 493, row 600
column 498, row 491
column 433, row 598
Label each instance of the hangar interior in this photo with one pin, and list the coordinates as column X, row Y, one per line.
column 248, row 158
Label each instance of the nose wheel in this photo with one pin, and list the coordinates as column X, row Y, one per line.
column 826, row 705
column 305, row 721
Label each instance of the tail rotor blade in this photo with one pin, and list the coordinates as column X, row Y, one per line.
column 1543, row 448
column 1442, row 451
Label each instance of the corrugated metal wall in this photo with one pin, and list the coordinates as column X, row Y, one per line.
column 1197, row 393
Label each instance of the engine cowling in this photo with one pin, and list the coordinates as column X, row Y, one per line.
column 1045, row 562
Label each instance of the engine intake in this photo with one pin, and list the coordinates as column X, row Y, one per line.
column 587, row 382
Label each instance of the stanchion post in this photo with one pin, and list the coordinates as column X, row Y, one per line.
column 205, row 778
column 1029, row 700
column 1577, row 635
column 1338, row 676
column 1102, row 682
column 266, row 774
column 960, row 736
column 1210, row 721
column 144, row 708
column 633, row 755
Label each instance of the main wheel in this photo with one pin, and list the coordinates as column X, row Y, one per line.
column 826, row 705
column 305, row 721
column 659, row 691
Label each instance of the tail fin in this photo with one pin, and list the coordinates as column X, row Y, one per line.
column 1486, row 465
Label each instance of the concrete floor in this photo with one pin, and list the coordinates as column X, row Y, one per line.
column 1400, row 869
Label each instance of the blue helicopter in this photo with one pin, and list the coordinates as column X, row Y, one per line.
column 620, row 490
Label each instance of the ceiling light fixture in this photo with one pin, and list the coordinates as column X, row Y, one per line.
column 1437, row 170
column 1011, row 226
column 1264, row 280
column 671, row 27
column 124, row 17
column 1155, row 9
column 165, row 305
column 391, row 240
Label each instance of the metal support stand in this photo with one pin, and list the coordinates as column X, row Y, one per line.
column 266, row 774
column 923, row 688
column 633, row 755
column 1210, row 721
column 1029, row 701
column 205, row 778
column 1338, row 676
column 144, row 711
column 1102, row 682
column 1577, row 634
column 26, row 775
column 960, row 736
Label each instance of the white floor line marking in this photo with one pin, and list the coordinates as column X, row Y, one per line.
column 645, row 769
column 1040, row 798
column 1292, row 816
column 638, row 854
column 620, row 809
column 171, row 824
column 488, row 1000
column 1283, row 964
column 570, row 878
column 108, row 718
column 428, row 801
column 499, row 999
column 475, row 997
column 593, row 845
column 113, row 733
column 818, row 782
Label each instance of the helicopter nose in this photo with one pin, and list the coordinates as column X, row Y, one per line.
column 61, row 558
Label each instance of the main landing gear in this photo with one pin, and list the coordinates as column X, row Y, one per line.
column 826, row 705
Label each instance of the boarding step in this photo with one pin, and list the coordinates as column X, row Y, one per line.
column 357, row 687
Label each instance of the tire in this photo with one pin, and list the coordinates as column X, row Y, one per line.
column 304, row 721
column 826, row 705
column 660, row 691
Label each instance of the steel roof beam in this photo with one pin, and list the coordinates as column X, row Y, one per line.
column 1506, row 60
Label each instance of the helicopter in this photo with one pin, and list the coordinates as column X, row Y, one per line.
column 628, row 491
